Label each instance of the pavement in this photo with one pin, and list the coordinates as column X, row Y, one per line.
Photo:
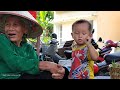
column 102, row 77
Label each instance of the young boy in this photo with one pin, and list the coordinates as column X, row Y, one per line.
column 84, row 54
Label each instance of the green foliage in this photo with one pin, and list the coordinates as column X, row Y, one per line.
column 44, row 18
column 32, row 41
column 114, row 64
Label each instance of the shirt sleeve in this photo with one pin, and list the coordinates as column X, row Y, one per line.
column 15, row 62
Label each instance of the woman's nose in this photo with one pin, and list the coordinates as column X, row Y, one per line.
column 11, row 27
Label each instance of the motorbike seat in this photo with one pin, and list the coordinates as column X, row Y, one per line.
column 109, row 58
column 104, row 51
column 68, row 53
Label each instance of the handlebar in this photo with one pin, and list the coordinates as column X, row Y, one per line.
column 108, row 45
column 94, row 44
column 54, row 42
column 100, row 49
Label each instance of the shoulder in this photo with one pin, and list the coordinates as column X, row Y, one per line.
column 28, row 46
column 2, row 35
column 3, row 38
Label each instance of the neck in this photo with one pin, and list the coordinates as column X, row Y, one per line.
column 81, row 44
column 17, row 43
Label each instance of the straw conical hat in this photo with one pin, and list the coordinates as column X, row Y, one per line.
column 34, row 28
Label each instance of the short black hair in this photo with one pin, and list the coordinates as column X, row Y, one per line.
column 82, row 21
column 54, row 35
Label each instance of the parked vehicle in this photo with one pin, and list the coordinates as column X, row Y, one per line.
column 49, row 52
column 101, row 66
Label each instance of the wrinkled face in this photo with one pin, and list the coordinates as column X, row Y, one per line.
column 80, row 33
column 14, row 29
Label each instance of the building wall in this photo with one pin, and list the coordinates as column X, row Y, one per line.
column 108, row 25
column 66, row 31
column 66, row 19
column 66, row 16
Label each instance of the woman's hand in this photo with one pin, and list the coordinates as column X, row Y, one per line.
column 57, row 70
column 60, row 73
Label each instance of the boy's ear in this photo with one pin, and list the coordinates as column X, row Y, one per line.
column 91, row 35
column 72, row 35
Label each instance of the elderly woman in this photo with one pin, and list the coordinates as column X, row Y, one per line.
column 18, row 59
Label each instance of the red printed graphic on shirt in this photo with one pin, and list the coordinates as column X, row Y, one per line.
column 79, row 65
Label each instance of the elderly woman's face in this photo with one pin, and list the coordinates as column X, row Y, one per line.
column 14, row 29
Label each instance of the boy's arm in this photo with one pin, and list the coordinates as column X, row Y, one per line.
column 93, row 53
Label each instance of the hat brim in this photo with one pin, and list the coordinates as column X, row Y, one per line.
column 35, row 29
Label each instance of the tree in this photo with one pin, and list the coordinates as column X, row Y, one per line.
column 44, row 18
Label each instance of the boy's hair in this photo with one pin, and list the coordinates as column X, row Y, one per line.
column 82, row 21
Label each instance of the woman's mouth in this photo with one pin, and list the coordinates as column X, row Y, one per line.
column 11, row 35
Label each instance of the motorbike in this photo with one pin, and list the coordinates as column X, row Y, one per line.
column 49, row 53
column 100, row 67
column 106, row 57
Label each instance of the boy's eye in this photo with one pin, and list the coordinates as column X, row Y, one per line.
column 83, row 33
column 76, row 32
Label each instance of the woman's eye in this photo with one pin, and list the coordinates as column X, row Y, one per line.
column 15, row 24
column 6, row 24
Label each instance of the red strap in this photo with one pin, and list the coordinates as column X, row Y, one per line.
column 33, row 13
column 100, row 58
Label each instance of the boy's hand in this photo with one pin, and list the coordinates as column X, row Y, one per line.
column 88, row 40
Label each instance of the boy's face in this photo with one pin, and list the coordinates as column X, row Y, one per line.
column 80, row 33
